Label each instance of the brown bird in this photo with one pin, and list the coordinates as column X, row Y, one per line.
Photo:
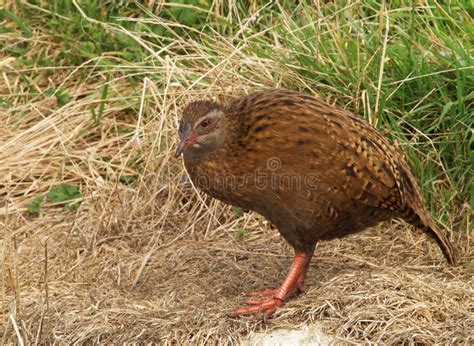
column 315, row 171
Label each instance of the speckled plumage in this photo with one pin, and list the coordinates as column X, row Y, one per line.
column 359, row 178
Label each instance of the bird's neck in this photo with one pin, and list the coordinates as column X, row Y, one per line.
column 204, row 156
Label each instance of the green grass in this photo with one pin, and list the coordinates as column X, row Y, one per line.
column 407, row 68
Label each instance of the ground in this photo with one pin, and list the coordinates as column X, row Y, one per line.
column 74, row 278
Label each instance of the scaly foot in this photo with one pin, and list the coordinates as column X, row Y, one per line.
column 292, row 285
column 267, row 306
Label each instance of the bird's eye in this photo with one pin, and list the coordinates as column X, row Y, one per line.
column 205, row 123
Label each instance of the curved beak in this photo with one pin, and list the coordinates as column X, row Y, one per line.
column 186, row 137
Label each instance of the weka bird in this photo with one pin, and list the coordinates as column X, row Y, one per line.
column 316, row 172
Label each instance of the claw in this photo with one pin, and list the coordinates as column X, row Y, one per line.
column 268, row 306
column 292, row 285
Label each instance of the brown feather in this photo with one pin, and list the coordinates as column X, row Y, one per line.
column 359, row 177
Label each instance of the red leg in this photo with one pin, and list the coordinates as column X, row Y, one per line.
column 292, row 284
column 299, row 288
column 300, row 283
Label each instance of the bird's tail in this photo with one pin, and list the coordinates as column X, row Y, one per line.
column 426, row 223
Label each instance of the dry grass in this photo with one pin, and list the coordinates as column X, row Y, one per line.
column 157, row 261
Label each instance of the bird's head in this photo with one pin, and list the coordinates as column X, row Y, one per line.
column 201, row 129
